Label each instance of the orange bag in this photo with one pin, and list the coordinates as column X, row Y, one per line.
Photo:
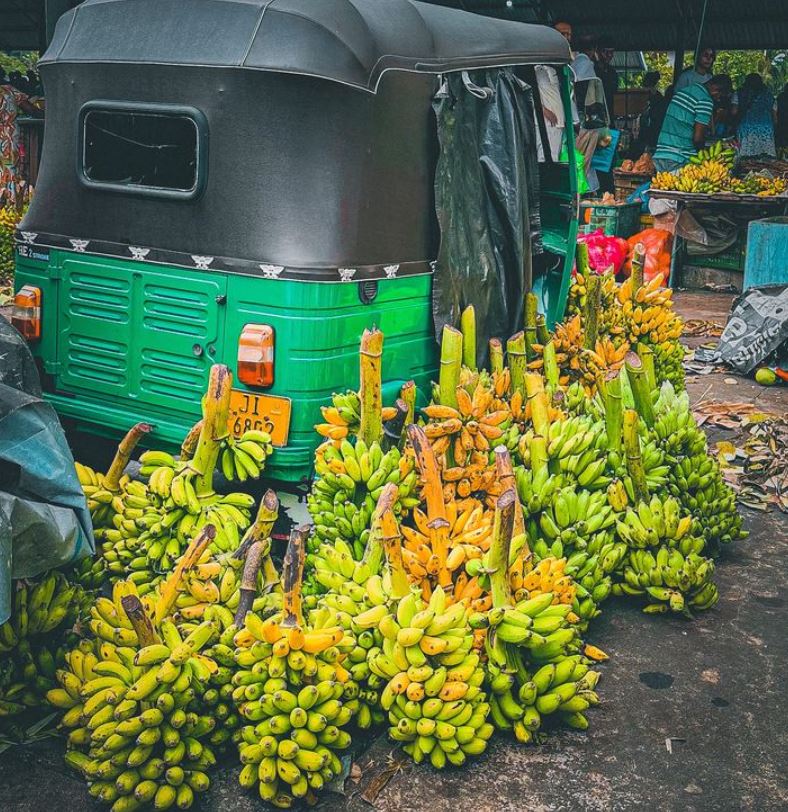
column 658, row 244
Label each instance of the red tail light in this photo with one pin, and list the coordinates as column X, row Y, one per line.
column 26, row 315
column 256, row 355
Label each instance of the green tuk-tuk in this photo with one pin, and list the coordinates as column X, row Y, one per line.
column 252, row 182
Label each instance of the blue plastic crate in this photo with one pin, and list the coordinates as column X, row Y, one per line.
column 767, row 253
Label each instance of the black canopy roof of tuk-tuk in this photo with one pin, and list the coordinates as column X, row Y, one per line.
column 349, row 41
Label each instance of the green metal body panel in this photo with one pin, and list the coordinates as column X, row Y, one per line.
column 126, row 341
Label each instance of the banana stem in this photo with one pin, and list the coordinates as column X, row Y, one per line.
column 451, row 364
column 641, row 391
column 433, row 495
column 261, row 529
column 537, row 399
column 189, row 444
column 551, row 371
column 408, row 395
column 370, row 391
column 638, row 264
column 215, row 412
column 496, row 355
column 135, row 611
column 530, row 332
column 614, row 412
column 591, row 311
column 468, row 328
column 542, row 333
column 374, row 551
column 292, row 573
column 499, row 550
column 537, row 448
column 515, row 357
column 392, row 542
column 248, row 589
column 190, row 557
column 123, row 455
column 646, row 355
column 392, row 429
column 505, row 472
column 634, row 459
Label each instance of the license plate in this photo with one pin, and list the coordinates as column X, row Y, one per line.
column 261, row 412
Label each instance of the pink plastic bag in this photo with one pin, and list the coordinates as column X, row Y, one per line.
column 604, row 252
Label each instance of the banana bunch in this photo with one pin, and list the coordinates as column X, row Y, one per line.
column 717, row 152
column 477, row 478
column 669, row 363
column 471, row 426
column 694, row 476
column 648, row 524
column 536, row 488
column 41, row 607
column 350, row 480
column 89, row 573
column 289, row 687
column 568, row 338
column 652, row 294
column 666, row 181
column 128, row 708
column 655, row 324
column 244, row 457
column 655, row 465
column 520, row 700
column 574, row 518
column 610, row 320
column 469, row 531
column 99, row 497
column 433, row 696
column 26, row 674
column 343, row 416
column 353, row 588
column 670, row 580
column 43, row 611
column 538, row 625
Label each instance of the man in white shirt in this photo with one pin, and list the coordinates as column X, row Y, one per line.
column 702, row 71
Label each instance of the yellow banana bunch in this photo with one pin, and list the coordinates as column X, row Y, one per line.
column 434, row 697
column 244, row 457
column 128, row 710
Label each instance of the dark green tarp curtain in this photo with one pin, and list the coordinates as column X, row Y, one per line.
column 487, row 201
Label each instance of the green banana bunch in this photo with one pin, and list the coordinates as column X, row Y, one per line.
column 350, row 481
column 521, row 698
column 695, row 478
column 536, row 488
column 648, row 524
column 244, row 457
column 669, row 363
column 670, row 580
column 290, row 691
column 434, row 698
column 27, row 673
column 575, row 518
column 133, row 733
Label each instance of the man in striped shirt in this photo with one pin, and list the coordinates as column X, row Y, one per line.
column 687, row 122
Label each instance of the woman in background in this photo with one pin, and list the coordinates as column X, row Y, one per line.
column 755, row 108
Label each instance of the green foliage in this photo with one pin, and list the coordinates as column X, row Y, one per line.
column 21, row 61
column 771, row 65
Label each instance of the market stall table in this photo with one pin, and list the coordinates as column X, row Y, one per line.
column 761, row 206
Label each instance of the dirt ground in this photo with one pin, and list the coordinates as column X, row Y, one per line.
column 692, row 717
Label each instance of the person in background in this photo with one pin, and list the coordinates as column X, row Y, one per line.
column 701, row 73
column 687, row 122
column 12, row 101
column 606, row 72
column 654, row 114
column 588, row 95
column 552, row 106
column 755, row 110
